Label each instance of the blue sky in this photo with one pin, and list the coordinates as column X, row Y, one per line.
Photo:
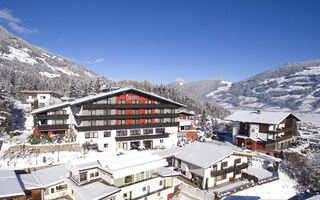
column 162, row 40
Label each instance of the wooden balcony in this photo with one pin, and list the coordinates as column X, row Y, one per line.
column 40, row 117
column 139, row 116
column 128, row 106
column 282, row 130
column 125, row 126
column 285, row 137
column 229, row 170
column 53, row 127
column 141, row 137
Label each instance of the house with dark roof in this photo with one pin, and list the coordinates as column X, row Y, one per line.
column 263, row 131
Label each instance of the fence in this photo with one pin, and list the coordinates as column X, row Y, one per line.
column 195, row 193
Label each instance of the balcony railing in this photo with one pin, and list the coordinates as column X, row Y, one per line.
column 285, row 137
column 229, row 170
column 64, row 116
column 126, row 126
column 129, row 106
column 131, row 116
column 141, row 137
column 53, row 127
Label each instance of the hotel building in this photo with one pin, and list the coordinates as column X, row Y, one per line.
column 125, row 119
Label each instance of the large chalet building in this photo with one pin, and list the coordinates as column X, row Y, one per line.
column 125, row 119
column 268, row 132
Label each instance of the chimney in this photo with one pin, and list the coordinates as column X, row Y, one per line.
column 258, row 111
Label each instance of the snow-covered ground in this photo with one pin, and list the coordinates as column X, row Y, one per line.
column 284, row 188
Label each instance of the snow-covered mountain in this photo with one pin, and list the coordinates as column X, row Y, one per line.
column 293, row 86
column 201, row 88
column 23, row 56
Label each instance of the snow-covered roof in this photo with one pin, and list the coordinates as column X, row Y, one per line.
column 124, row 165
column 204, row 154
column 262, row 117
column 167, row 152
column 87, row 165
column 9, row 184
column 101, row 95
column 166, row 172
column 186, row 112
column 46, row 108
column 92, row 191
column 40, row 92
column 29, row 181
column 261, row 174
column 51, row 175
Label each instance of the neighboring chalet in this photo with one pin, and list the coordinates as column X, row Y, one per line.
column 268, row 132
column 44, row 98
column 186, row 126
column 137, row 176
column 125, row 119
column 207, row 165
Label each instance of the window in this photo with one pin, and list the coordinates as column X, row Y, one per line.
column 221, row 177
column 148, row 121
column 91, row 135
column 107, row 134
column 160, row 130
column 92, row 112
column 147, row 131
column 107, row 112
column 121, row 122
column 108, row 101
column 135, row 121
column 148, row 101
column 52, row 190
column 161, row 111
column 144, row 189
column 96, row 174
column 122, row 101
column 214, row 168
column 159, row 194
column 121, row 133
column 59, row 121
column 59, row 112
column 122, row 112
column 83, row 176
column 161, row 140
column 92, row 123
column 106, row 122
column 161, row 120
column 42, row 97
column 237, row 161
column 224, row 165
column 179, row 163
column 135, row 132
column 106, row 145
column 128, row 179
column 135, row 101
column 125, row 195
column 91, row 175
column 135, row 112
column 173, row 111
column 149, row 111
column 238, row 172
column 160, row 183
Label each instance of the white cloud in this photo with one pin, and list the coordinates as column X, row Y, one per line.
column 12, row 21
column 98, row 60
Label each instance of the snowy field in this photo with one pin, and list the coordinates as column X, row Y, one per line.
column 284, row 188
